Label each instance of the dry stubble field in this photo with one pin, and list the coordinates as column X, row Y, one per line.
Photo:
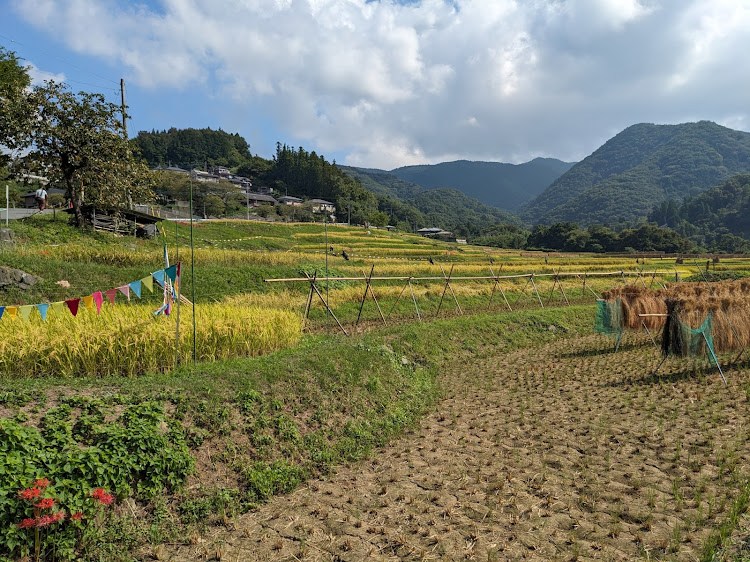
column 566, row 451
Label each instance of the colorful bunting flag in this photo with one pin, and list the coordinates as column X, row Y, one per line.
column 111, row 294
column 72, row 305
column 135, row 286
column 125, row 290
column 171, row 272
column 43, row 307
column 26, row 311
column 98, row 299
column 148, row 282
column 58, row 307
column 88, row 301
column 2, row 309
column 159, row 276
column 12, row 310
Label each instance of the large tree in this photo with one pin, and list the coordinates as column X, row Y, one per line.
column 15, row 120
column 76, row 142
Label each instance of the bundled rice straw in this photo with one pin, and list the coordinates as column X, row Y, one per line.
column 730, row 323
column 638, row 300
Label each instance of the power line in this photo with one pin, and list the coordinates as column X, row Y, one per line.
column 67, row 62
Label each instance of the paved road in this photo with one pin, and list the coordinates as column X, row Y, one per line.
column 13, row 214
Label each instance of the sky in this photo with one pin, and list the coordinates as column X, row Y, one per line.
column 389, row 83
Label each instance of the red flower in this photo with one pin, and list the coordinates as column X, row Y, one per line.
column 41, row 483
column 44, row 520
column 46, row 503
column 102, row 496
column 77, row 516
column 27, row 523
column 29, row 493
column 58, row 516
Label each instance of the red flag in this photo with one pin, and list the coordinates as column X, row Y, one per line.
column 73, row 305
column 111, row 294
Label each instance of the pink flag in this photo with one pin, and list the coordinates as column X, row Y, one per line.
column 98, row 299
column 125, row 290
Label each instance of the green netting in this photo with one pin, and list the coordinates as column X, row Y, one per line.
column 680, row 339
column 608, row 317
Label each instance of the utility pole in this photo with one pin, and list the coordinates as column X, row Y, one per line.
column 124, row 115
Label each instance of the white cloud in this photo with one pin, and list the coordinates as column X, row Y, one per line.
column 39, row 77
column 392, row 83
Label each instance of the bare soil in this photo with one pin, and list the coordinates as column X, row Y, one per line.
column 563, row 452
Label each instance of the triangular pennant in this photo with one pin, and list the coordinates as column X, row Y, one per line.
column 171, row 272
column 2, row 309
column 43, row 310
column 125, row 290
column 111, row 294
column 88, row 301
column 26, row 311
column 98, row 299
column 159, row 276
column 72, row 305
column 148, row 282
column 12, row 310
column 135, row 286
column 57, row 307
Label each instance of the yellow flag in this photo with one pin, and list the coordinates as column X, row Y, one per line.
column 88, row 301
column 12, row 310
column 58, row 307
column 26, row 311
column 148, row 282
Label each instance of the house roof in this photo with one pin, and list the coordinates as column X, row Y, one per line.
column 290, row 198
column 431, row 229
column 260, row 197
column 321, row 201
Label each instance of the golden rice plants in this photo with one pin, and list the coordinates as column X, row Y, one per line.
column 128, row 340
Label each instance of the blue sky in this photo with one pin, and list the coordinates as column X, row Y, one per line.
column 385, row 84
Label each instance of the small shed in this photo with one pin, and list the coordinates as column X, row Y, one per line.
column 257, row 199
column 121, row 221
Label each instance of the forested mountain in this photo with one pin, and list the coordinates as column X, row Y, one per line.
column 505, row 186
column 718, row 218
column 192, row 148
column 450, row 209
column 640, row 167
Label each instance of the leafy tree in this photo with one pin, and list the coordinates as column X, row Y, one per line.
column 76, row 143
column 15, row 120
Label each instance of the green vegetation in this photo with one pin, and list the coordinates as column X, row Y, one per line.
column 717, row 219
column 640, row 167
column 505, row 186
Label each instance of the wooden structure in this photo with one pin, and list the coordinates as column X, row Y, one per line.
column 120, row 221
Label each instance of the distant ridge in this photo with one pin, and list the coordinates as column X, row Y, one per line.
column 505, row 186
column 640, row 167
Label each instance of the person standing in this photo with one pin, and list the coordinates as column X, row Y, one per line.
column 41, row 198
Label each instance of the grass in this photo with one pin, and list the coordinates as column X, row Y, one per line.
column 259, row 426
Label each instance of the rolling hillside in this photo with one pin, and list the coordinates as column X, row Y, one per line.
column 640, row 167
column 505, row 186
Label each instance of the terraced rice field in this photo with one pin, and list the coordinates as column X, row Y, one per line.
column 566, row 451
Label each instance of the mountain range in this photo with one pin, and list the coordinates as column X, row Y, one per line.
column 619, row 183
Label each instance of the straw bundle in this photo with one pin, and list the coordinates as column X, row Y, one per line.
column 730, row 319
column 638, row 300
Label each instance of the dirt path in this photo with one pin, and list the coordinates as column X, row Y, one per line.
column 562, row 452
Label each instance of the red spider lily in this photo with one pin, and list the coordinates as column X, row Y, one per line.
column 102, row 496
column 27, row 523
column 29, row 493
column 46, row 503
column 41, row 483
column 77, row 516
column 45, row 520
